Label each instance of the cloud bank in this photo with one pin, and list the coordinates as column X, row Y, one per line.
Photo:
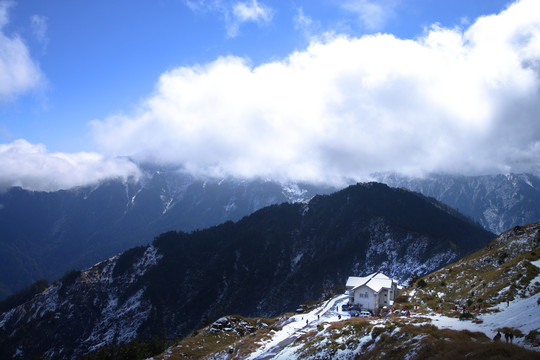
column 18, row 72
column 452, row 100
column 30, row 166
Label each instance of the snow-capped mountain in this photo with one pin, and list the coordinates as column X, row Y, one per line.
column 265, row 264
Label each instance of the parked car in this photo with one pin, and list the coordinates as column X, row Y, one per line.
column 365, row 314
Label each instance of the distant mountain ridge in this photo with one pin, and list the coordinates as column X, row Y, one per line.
column 265, row 264
column 497, row 202
column 45, row 234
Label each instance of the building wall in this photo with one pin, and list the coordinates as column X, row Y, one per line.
column 364, row 297
column 384, row 297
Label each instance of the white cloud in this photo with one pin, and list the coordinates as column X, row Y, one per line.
column 249, row 11
column 39, row 28
column 30, row 166
column 252, row 11
column 373, row 15
column 452, row 100
column 18, row 72
column 304, row 22
column 234, row 13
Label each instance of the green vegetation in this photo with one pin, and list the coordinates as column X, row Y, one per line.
column 23, row 296
column 127, row 259
column 69, row 279
column 134, row 350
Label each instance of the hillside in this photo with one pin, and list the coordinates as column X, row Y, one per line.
column 45, row 234
column 509, row 266
column 263, row 265
column 499, row 272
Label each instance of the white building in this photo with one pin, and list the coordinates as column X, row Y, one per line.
column 372, row 292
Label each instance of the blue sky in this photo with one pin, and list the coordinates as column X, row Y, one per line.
column 87, row 82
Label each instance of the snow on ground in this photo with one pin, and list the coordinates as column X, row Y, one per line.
column 521, row 313
column 300, row 324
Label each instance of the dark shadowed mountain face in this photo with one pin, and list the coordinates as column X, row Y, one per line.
column 44, row 234
column 497, row 202
column 265, row 264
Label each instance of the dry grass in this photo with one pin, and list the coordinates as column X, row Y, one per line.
column 500, row 271
column 429, row 342
column 205, row 343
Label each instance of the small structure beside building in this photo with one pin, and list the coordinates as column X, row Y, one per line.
column 372, row 292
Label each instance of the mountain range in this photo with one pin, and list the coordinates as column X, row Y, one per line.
column 45, row 234
column 497, row 202
column 265, row 264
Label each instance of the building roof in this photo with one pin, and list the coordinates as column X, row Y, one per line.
column 375, row 282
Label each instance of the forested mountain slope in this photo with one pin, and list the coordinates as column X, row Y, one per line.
column 265, row 264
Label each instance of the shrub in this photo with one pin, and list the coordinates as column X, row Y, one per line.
column 533, row 337
column 401, row 299
column 127, row 259
column 421, row 283
column 376, row 331
column 70, row 277
column 502, row 258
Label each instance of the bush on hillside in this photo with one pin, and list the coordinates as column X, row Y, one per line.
column 23, row 296
column 421, row 283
